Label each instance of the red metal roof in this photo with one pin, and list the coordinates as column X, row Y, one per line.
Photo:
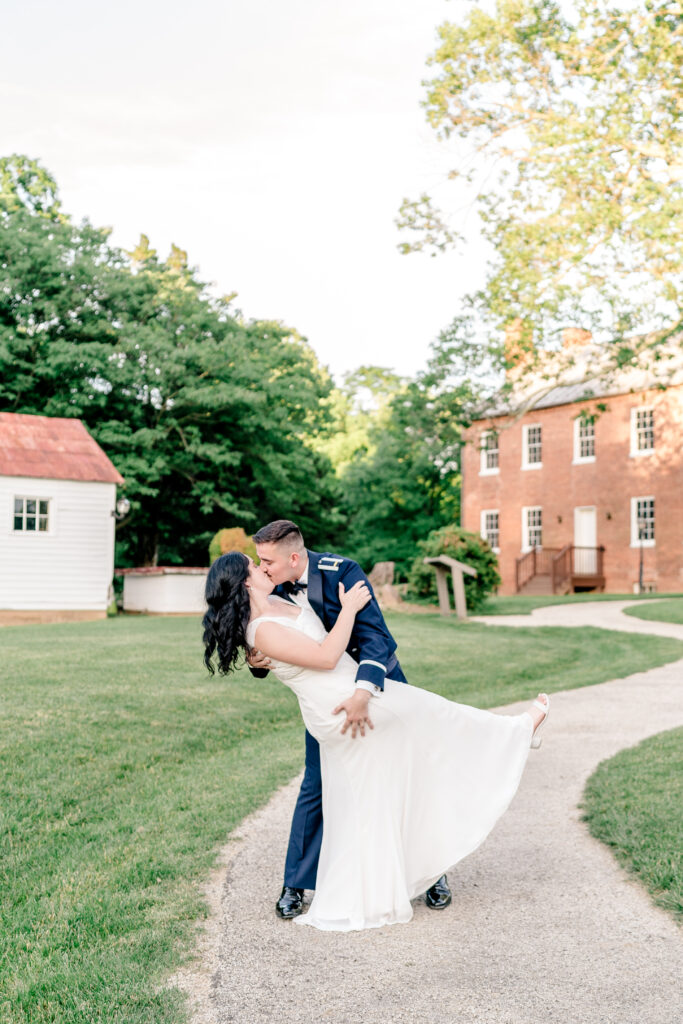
column 52, row 448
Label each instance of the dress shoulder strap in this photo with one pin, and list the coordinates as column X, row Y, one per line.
column 283, row 619
column 273, row 618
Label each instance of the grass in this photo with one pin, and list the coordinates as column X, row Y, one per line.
column 522, row 604
column 634, row 803
column 669, row 610
column 489, row 666
column 125, row 766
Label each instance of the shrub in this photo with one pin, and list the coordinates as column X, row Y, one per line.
column 466, row 547
column 232, row 539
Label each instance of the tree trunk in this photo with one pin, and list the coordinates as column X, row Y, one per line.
column 150, row 549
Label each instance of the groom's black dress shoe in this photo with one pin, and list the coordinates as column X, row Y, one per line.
column 291, row 902
column 439, row 896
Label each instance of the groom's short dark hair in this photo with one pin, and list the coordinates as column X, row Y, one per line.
column 279, row 530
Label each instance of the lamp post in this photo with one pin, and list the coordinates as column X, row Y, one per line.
column 642, row 523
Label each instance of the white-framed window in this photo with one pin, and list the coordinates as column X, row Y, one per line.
column 532, row 453
column 532, row 527
column 649, row 587
column 643, row 522
column 584, row 440
column 489, row 452
column 490, row 527
column 31, row 515
column 642, row 431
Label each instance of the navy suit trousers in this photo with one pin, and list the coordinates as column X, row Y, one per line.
column 306, row 835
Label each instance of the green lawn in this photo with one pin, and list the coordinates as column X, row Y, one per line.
column 124, row 765
column 488, row 666
column 522, row 604
column 634, row 804
column 669, row 610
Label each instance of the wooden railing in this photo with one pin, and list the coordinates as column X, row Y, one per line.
column 565, row 566
column 588, row 561
column 536, row 562
column 544, row 560
column 525, row 569
column 561, row 569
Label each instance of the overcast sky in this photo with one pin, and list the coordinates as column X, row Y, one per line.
column 274, row 141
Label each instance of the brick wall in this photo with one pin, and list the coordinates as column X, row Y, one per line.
column 608, row 484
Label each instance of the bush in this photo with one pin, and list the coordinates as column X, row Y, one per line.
column 232, row 539
column 466, row 547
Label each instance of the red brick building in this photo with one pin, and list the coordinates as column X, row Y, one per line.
column 574, row 504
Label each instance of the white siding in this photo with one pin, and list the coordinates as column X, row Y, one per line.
column 71, row 566
column 165, row 592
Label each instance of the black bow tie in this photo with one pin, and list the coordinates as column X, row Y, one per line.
column 294, row 588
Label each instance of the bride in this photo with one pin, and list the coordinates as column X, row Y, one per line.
column 400, row 807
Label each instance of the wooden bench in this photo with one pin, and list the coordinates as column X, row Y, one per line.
column 442, row 565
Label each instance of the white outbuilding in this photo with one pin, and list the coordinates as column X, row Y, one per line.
column 57, row 503
column 164, row 590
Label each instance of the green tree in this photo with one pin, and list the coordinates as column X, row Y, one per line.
column 570, row 134
column 207, row 416
column 408, row 481
column 26, row 185
column 357, row 409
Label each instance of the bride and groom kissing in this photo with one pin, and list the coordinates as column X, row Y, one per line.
column 399, row 783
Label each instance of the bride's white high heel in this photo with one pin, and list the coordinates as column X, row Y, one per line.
column 536, row 740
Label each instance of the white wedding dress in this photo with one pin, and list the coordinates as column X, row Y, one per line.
column 407, row 801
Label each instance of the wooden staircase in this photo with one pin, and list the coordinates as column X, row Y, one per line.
column 560, row 570
column 539, row 584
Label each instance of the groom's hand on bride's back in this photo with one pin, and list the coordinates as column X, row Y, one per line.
column 357, row 717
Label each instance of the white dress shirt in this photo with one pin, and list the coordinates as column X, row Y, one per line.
column 301, row 597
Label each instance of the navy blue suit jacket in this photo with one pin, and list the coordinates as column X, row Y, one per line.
column 371, row 644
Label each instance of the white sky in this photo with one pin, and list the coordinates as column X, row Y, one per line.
column 274, row 141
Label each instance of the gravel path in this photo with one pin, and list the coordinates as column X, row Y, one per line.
column 603, row 614
column 544, row 926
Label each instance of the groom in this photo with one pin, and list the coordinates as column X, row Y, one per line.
column 311, row 580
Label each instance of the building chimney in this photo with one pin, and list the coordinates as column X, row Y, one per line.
column 576, row 337
column 519, row 345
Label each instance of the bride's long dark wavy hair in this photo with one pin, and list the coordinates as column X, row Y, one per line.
column 227, row 617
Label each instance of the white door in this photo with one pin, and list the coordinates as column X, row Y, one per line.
column 585, row 541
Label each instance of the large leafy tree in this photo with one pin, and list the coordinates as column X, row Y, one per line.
column 405, row 481
column 569, row 131
column 207, row 416
column 357, row 414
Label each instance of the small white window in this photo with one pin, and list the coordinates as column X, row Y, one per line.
column 490, row 527
column 31, row 515
column 532, row 451
column 532, row 527
column 643, row 522
column 584, row 440
column 642, row 431
column 489, row 452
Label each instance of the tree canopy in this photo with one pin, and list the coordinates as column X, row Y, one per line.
column 569, row 131
column 215, row 421
column 208, row 416
column 404, row 481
